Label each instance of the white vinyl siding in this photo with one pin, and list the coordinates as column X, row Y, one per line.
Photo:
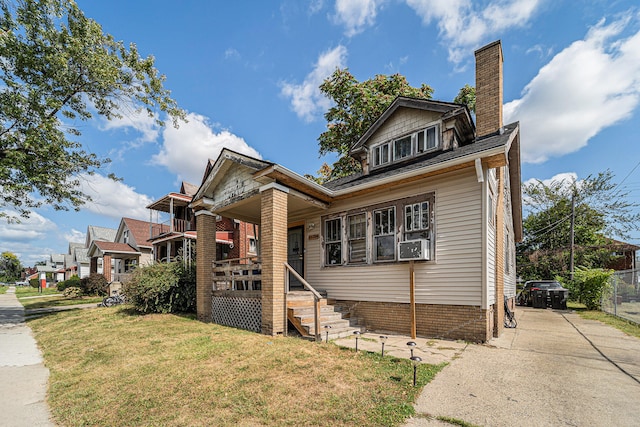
column 454, row 276
column 509, row 276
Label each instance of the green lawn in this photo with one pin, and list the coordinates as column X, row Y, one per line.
column 3, row 289
column 618, row 323
column 110, row 366
column 28, row 291
column 57, row 301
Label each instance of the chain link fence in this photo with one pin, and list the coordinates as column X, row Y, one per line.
column 623, row 298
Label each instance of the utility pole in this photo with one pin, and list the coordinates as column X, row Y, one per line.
column 573, row 220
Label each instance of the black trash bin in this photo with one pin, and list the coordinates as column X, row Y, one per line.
column 539, row 298
column 559, row 298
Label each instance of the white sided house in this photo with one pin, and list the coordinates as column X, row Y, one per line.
column 421, row 242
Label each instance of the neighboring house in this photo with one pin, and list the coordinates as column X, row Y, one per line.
column 82, row 262
column 421, row 242
column 50, row 271
column 57, row 261
column 99, row 234
column 174, row 235
column 129, row 249
column 70, row 265
column 625, row 255
column 173, row 232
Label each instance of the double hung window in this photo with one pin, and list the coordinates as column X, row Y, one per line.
column 333, row 241
column 357, row 238
column 411, row 145
column 384, row 234
column 370, row 235
column 416, row 221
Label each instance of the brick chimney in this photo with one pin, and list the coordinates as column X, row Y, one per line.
column 488, row 88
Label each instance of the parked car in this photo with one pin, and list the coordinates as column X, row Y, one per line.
column 524, row 297
column 22, row 283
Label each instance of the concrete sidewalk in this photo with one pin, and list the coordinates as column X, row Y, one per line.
column 555, row 369
column 23, row 376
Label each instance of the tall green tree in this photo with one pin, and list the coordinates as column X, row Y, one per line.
column 601, row 210
column 356, row 105
column 58, row 68
column 467, row 96
column 10, row 267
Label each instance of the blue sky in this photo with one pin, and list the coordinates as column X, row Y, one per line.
column 247, row 73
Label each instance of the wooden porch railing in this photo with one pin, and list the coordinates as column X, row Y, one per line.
column 316, row 297
column 237, row 274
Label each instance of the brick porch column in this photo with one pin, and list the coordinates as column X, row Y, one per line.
column 205, row 256
column 106, row 267
column 273, row 246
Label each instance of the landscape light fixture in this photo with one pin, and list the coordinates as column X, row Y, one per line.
column 357, row 334
column 383, row 339
column 411, row 345
column 416, row 361
column 326, row 328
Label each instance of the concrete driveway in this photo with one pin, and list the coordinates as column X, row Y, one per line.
column 554, row 369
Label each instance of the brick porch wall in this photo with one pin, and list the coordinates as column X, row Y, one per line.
column 469, row 323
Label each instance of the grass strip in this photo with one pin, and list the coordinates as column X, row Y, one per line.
column 57, row 301
column 110, row 366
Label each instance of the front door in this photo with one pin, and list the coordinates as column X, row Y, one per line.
column 295, row 255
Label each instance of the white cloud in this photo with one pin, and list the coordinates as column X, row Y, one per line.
column 27, row 229
column 185, row 150
column 113, row 199
column 139, row 121
column 356, row 15
column 315, row 6
column 306, row 99
column 565, row 178
column 592, row 84
column 74, row 236
column 231, row 53
column 465, row 24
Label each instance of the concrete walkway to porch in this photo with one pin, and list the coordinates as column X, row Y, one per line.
column 431, row 351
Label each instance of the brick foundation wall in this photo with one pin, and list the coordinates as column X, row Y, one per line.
column 454, row 322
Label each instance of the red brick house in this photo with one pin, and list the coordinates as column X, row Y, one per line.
column 173, row 232
column 421, row 242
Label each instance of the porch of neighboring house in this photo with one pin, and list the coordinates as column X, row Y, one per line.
column 118, row 262
column 266, row 293
column 172, row 227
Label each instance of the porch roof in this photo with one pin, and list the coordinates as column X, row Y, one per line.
column 164, row 203
column 120, row 250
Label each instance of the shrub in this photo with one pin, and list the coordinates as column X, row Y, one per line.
column 94, row 284
column 162, row 288
column 34, row 283
column 72, row 292
column 589, row 286
column 73, row 281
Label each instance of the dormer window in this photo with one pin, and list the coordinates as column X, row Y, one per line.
column 414, row 144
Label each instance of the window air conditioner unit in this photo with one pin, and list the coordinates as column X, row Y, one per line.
column 414, row 250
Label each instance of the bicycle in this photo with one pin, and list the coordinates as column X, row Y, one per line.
column 115, row 299
column 509, row 316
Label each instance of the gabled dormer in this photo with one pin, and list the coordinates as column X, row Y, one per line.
column 410, row 129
